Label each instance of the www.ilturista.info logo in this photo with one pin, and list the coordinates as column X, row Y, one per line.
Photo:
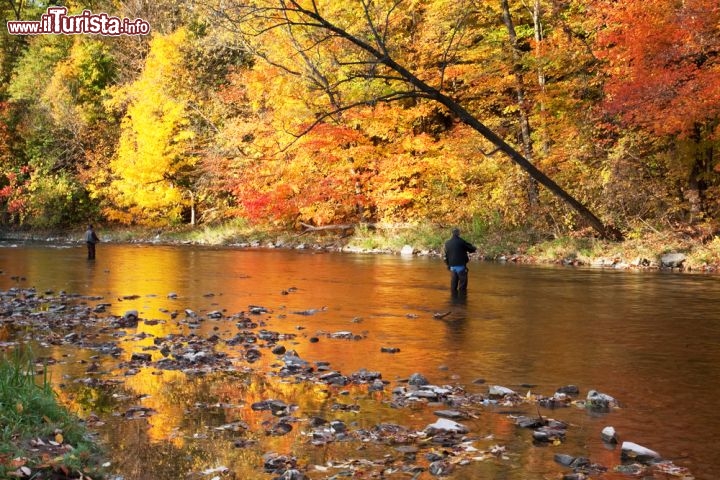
column 57, row 21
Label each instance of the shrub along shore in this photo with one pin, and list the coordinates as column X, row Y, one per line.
column 642, row 250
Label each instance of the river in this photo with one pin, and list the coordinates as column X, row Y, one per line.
column 649, row 339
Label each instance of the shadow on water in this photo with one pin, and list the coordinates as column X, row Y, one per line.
column 652, row 341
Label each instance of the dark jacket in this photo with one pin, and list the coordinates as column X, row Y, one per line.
column 91, row 237
column 456, row 251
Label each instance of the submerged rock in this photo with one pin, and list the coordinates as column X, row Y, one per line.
column 496, row 391
column 141, row 357
column 276, row 463
column 450, row 414
column 292, row 474
column 572, row 390
column 440, row 468
column 418, row 380
column 600, row 401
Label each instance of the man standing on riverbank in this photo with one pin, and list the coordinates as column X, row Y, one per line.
column 91, row 239
column 456, row 259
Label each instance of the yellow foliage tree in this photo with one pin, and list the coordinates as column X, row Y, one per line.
column 153, row 163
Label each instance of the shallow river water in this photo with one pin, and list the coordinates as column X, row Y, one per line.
column 649, row 339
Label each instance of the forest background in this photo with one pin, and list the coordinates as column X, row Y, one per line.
column 236, row 117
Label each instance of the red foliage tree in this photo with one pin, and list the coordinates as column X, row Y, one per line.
column 664, row 59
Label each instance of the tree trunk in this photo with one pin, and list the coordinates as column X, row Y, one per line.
column 525, row 136
column 538, row 32
column 694, row 191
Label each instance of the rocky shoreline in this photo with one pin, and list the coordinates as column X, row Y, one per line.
column 442, row 448
column 667, row 259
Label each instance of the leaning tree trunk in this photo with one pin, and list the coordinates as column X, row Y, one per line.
column 384, row 58
column 307, row 15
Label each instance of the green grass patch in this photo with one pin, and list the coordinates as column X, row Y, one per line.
column 37, row 434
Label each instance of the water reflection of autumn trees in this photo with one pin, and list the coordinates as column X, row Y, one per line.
column 527, row 328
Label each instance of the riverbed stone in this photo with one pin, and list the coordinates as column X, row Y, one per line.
column 530, row 422
column 276, row 463
column 141, row 357
column 338, row 426
column 389, row 349
column 609, row 435
column 569, row 390
column 673, row 260
column 549, row 434
column 638, row 453
column 418, row 379
column 450, row 414
column 564, row 459
column 600, row 401
column 376, row 386
column 500, row 391
column 440, row 468
column 292, row 474
column 445, row 425
column 129, row 319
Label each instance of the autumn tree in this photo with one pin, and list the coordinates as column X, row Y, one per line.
column 13, row 175
column 53, row 195
column 149, row 175
column 363, row 45
column 55, row 89
column 374, row 163
column 663, row 84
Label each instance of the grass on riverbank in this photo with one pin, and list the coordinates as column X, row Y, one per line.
column 39, row 438
column 529, row 246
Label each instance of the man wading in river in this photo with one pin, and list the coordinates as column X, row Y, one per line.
column 91, row 239
column 456, row 259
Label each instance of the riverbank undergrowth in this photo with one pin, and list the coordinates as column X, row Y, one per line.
column 643, row 248
column 39, row 438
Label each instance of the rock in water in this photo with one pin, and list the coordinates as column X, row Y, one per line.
column 418, row 379
column 633, row 451
column 609, row 435
column 445, row 425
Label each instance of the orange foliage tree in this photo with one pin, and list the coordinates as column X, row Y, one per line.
column 351, row 55
column 664, row 78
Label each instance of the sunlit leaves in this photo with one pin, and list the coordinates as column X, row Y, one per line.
column 75, row 91
column 315, row 130
column 34, row 70
column 152, row 155
column 664, row 62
